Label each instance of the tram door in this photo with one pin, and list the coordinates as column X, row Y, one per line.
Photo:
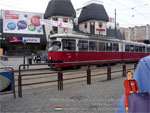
column 92, row 27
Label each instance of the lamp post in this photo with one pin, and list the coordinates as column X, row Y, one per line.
column 24, row 48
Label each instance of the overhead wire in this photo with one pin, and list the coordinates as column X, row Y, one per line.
column 131, row 9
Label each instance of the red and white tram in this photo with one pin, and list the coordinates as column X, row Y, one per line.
column 75, row 48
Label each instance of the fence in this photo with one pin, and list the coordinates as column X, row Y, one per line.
column 6, row 71
column 60, row 72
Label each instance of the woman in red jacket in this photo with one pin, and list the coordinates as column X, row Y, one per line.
column 131, row 86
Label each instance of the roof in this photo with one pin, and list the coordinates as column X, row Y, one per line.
column 111, row 33
column 59, row 8
column 93, row 12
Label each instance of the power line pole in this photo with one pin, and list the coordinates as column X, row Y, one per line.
column 115, row 25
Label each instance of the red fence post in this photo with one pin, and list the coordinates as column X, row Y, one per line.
column 19, row 83
column 135, row 66
column 124, row 70
column 60, row 79
column 108, row 72
column 88, row 75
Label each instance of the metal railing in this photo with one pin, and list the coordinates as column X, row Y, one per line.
column 60, row 72
column 11, row 70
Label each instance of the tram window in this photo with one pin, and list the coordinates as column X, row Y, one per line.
column 136, row 48
column 83, row 45
column 143, row 48
column 101, row 46
column 140, row 48
column 69, row 45
column 115, row 47
column 92, row 46
column 127, row 48
column 54, row 46
column 108, row 46
column 131, row 48
column 148, row 50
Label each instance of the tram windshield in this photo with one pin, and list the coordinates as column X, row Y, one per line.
column 54, row 46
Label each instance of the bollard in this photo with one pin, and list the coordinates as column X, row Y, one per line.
column 124, row 70
column 60, row 79
column 135, row 66
column 109, row 72
column 19, row 84
column 14, row 91
column 88, row 75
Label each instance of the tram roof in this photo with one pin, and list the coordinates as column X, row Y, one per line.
column 82, row 36
column 92, row 37
column 69, row 35
column 131, row 42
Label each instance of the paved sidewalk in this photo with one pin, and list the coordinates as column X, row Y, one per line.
column 100, row 97
column 15, row 61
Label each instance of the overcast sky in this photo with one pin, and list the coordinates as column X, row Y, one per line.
column 129, row 12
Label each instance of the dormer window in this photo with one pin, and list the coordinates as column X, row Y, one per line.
column 55, row 19
column 65, row 20
column 85, row 25
column 100, row 24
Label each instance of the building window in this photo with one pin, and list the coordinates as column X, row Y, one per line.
column 55, row 19
column 65, row 20
column 100, row 24
column 85, row 25
column 55, row 29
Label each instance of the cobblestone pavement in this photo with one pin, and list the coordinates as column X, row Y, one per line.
column 100, row 97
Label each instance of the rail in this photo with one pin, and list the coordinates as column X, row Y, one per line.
column 88, row 75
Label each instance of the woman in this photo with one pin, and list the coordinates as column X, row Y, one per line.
column 142, row 76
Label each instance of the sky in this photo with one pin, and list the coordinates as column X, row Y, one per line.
column 129, row 12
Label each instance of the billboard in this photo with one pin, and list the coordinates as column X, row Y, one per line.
column 19, row 22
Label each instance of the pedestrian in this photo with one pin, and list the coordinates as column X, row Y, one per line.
column 142, row 76
column 45, row 58
column 130, row 86
column 38, row 59
column 35, row 58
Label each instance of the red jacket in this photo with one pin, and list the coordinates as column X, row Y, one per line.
column 130, row 85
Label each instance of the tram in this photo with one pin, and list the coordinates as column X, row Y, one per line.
column 68, row 47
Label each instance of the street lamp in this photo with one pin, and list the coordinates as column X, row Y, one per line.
column 24, row 48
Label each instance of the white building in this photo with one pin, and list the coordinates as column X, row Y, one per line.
column 93, row 19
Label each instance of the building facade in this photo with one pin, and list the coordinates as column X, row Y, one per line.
column 59, row 11
column 137, row 33
column 93, row 19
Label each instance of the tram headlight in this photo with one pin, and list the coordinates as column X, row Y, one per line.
column 50, row 58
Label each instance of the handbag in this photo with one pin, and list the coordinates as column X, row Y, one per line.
column 139, row 102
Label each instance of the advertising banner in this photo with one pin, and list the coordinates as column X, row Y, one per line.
column 31, row 40
column 21, row 22
column 5, row 81
column 56, row 23
column 22, row 39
